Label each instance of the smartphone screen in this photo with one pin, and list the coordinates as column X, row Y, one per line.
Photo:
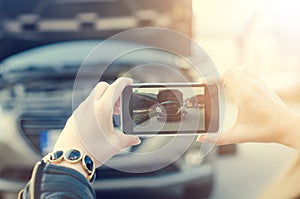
column 169, row 109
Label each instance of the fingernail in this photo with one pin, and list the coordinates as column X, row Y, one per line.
column 137, row 141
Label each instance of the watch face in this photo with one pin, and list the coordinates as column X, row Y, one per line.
column 73, row 155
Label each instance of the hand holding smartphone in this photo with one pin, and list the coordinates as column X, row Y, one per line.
column 170, row 108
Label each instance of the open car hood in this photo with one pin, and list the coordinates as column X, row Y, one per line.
column 63, row 60
column 32, row 23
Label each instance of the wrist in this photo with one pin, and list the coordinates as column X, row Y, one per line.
column 74, row 159
column 69, row 139
column 76, row 167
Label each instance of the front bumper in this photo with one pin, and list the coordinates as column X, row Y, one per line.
column 187, row 176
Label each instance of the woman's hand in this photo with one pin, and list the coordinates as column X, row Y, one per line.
column 262, row 116
column 90, row 127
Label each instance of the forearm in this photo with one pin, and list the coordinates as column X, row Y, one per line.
column 52, row 181
column 291, row 130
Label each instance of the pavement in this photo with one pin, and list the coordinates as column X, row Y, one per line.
column 250, row 171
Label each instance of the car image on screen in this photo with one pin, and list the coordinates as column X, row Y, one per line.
column 170, row 106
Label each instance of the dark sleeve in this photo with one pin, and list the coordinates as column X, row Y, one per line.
column 51, row 181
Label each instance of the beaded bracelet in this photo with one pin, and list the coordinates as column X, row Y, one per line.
column 74, row 156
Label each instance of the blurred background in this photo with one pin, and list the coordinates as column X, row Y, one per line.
column 263, row 35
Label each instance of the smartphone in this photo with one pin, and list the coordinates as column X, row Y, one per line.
column 170, row 108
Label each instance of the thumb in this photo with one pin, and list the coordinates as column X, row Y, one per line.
column 232, row 136
column 114, row 91
column 127, row 140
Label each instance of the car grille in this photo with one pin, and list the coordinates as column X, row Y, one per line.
column 16, row 173
column 33, row 128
